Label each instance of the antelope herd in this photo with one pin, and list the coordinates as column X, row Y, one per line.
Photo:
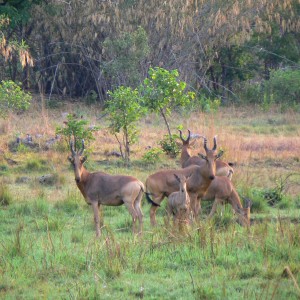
column 202, row 178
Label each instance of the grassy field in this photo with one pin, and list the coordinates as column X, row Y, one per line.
column 48, row 248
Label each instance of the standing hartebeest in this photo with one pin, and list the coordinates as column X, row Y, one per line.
column 221, row 190
column 179, row 202
column 222, row 168
column 99, row 188
column 162, row 183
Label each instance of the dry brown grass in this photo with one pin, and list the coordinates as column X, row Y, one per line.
column 263, row 145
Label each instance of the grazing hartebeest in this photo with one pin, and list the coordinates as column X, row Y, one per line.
column 179, row 202
column 221, row 190
column 101, row 188
column 222, row 168
column 162, row 183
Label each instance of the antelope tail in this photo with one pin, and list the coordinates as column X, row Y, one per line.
column 150, row 200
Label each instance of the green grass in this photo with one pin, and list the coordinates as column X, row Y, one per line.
column 48, row 250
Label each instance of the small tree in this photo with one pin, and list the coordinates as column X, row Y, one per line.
column 75, row 129
column 12, row 98
column 163, row 92
column 124, row 110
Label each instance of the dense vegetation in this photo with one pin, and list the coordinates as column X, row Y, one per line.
column 222, row 49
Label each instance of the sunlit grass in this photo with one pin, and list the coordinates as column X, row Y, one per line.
column 47, row 238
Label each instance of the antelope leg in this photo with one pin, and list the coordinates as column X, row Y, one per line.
column 133, row 214
column 96, row 218
column 153, row 209
column 214, row 207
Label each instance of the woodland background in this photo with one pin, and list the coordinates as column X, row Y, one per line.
column 240, row 51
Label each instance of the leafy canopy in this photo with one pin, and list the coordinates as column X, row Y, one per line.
column 76, row 129
column 12, row 98
column 124, row 110
column 163, row 90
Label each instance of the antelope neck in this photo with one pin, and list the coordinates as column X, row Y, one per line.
column 83, row 179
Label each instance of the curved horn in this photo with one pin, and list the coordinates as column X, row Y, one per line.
column 215, row 143
column 205, row 143
column 180, row 135
column 82, row 149
column 182, row 139
column 72, row 148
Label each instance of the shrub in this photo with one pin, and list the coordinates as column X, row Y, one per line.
column 284, row 86
column 12, row 98
column 152, row 156
column 75, row 129
column 169, row 145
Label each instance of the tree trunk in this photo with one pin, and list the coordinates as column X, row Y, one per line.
column 165, row 119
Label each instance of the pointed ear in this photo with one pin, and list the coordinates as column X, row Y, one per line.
column 220, row 154
column 83, row 159
column 202, row 156
column 177, row 178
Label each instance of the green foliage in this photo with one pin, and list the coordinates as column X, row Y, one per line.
column 124, row 110
column 125, row 55
column 283, row 86
column 12, row 98
column 163, row 92
column 75, row 129
column 152, row 156
column 206, row 104
column 169, row 145
column 258, row 203
column 22, row 148
column 276, row 196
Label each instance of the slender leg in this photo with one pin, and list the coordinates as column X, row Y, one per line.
column 100, row 215
column 133, row 213
column 214, row 207
column 137, row 206
column 153, row 209
column 96, row 218
column 195, row 206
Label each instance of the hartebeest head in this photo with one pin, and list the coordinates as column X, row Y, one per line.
column 77, row 160
column 211, row 157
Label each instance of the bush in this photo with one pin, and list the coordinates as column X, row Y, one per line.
column 259, row 204
column 206, row 104
column 169, row 145
column 13, row 98
column 76, row 130
column 152, row 156
column 282, row 88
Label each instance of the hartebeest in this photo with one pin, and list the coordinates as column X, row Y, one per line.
column 162, row 183
column 99, row 188
column 179, row 202
column 222, row 168
column 221, row 190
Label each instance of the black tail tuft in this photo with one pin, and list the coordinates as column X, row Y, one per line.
column 150, row 200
